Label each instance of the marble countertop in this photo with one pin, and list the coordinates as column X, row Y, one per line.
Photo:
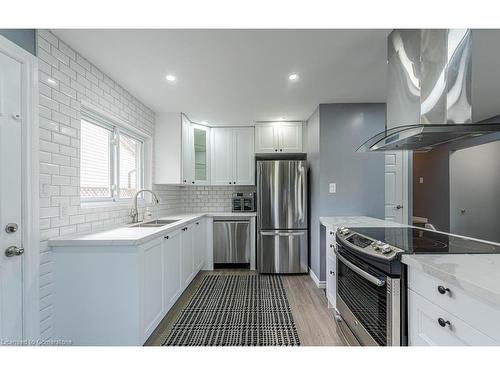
column 478, row 274
column 356, row 221
column 133, row 236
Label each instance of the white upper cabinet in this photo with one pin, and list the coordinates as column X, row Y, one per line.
column 186, row 161
column 266, row 138
column 182, row 151
column 199, row 152
column 243, row 156
column 222, row 162
column 290, row 137
column 281, row 137
column 233, row 157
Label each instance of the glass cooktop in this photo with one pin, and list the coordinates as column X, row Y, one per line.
column 419, row 241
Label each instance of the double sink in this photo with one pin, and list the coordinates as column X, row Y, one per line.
column 154, row 223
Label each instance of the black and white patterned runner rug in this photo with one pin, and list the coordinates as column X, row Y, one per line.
column 236, row 310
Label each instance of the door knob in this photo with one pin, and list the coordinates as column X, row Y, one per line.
column 398, row 207
column 14, row 251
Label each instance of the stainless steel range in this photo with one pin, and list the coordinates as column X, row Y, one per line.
column 368, row 290
column 371, row 280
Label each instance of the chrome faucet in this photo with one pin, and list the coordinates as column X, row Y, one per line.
column 135, row 212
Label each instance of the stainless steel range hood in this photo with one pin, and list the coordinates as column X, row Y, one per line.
column 443, row 87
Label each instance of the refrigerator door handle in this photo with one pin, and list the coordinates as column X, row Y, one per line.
column 282, row 234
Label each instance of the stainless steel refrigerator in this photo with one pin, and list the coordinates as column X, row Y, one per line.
column 282, row 235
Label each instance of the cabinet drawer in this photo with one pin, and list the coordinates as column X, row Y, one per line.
column 424, row 328
column 478, row 314
column 330, row 242
column 331, row 281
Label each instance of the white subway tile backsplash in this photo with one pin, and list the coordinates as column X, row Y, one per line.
column 66, row 78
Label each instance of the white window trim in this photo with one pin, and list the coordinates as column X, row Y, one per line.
column 99, row 117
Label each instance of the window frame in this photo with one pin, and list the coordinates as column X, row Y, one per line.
column 114, row 157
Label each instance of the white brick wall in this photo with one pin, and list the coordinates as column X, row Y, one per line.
column 210, row 198
column 66, row 78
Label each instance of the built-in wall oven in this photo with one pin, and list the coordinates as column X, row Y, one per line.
column 368, row 292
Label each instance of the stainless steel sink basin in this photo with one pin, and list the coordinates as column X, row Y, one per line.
column 155, row 223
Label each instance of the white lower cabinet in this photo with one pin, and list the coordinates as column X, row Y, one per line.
column 117, row 295
column 331, row 267
column 153, row 303
column 187, row 263
column 172, row 260
column 331, row 281
column 199, row 244
column 443, row 315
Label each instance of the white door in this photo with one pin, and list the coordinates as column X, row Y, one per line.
column 290, row 137
column 396, row 186
column 200, row 156
column 199, row 243
column 187, row 263
column 172, row 265
column 187, row 175
column 11, row 307
column 153, row 304
column 244, row 156
column 266, row 138
column 222, row 156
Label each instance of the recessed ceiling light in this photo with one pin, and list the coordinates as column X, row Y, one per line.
column 281, row 119
column 293, row 77
column 204, row 123
column 171, row 78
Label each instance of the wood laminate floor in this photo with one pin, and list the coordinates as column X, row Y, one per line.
column 314, row 321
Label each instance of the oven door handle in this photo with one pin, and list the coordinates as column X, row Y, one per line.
column 359, row 271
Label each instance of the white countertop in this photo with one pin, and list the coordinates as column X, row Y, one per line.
column 133, row 236
column 356, row 221
column 478, row 274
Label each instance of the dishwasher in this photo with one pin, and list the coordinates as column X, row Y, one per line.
column 231, row 242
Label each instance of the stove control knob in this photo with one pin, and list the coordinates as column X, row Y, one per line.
column 344, row 231
column 386, row 249
column 377, row 245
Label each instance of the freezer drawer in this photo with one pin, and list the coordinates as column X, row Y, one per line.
column 282, row 251
column 231, row 241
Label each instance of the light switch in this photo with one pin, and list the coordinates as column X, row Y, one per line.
column 332, row 187
column 421, row 180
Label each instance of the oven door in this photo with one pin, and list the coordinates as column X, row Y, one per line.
column 368, row 302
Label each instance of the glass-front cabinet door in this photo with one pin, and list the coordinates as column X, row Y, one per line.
column 200, row 154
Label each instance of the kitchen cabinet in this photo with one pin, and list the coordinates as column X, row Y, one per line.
column 154, row 300
column 331, row 264
column 278, row 137
column 443, row 315
column 172, row 260
column 119, row 294
column 232, row 156
column 187, row 262
column 182, row 151
column 199, row 244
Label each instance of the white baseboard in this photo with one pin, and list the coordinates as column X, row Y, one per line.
column 319, row 284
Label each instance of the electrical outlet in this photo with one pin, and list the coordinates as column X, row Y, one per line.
column 421, row 180
column 332, row 188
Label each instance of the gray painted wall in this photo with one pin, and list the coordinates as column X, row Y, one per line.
column 24, row 38
column 313, row 159
column 430, row 198
column 359, row 176
column 475, row 187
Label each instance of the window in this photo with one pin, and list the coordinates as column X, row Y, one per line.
column 111, row 162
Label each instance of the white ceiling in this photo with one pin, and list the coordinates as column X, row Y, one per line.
column 236, row 77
